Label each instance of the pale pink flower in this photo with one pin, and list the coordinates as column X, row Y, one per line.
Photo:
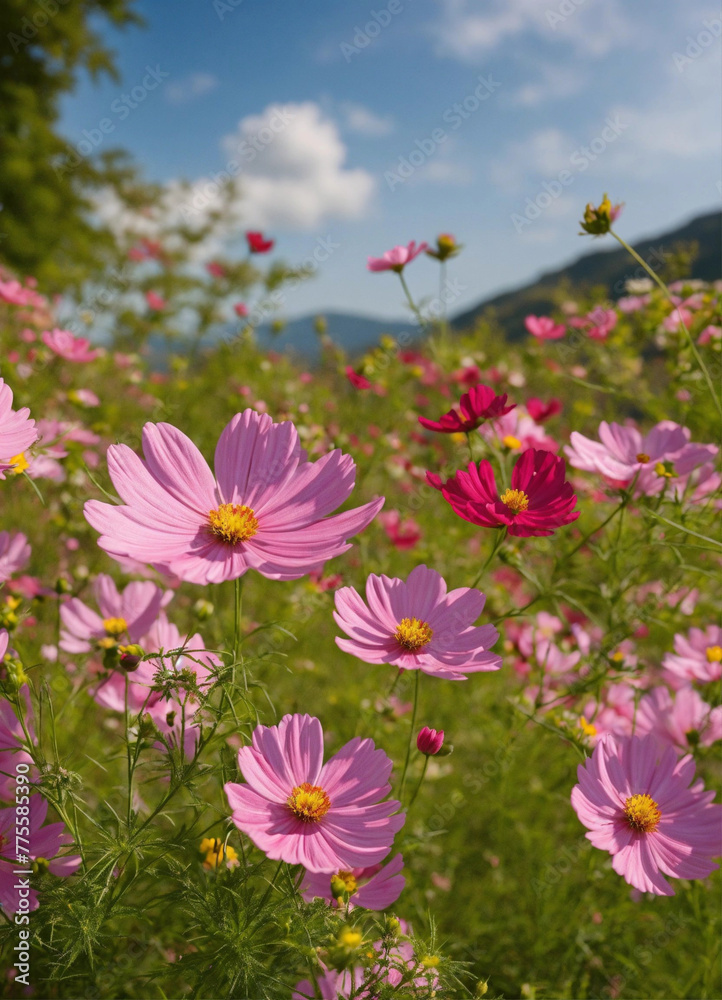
column 518, row 431
column 124, row 616
column 180, row 653
column 14, row 553
column 17, row 429
column 297, row 809
column 683, row 722
column 266, row 510
column 396, row 259
column 710, row 333
column 697, row 656
column 637, row 804
column 661, row 456
column 67, row 346
column 373, row 888
column 417, row 625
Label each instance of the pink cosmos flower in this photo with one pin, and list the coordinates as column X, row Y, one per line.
column 544, row 327
column 403, row 534
column 16, row 294
column 124, row 617
column 66, row 345
column 697, row 656
column 622, row 453
column 182, row 654
column 240, row 309
column 12, row 736
column 477, row 405
column 46, row 843
column 398, row 258
column 710, row 334
column 373, row 888
column 17, row 429
column 639, row 806
column 518, row 431
column 257, row 243
column 266, row 510
column 684, row 723
column 215, row 269
column 600, row 322
column 538, row 502
column 14, row 553
column 297, row 809
column 417, row 625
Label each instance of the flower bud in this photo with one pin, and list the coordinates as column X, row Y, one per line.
column 430, row 741
column 203, row 610
column 130, row 656
column 446, row 246
column 598, row 221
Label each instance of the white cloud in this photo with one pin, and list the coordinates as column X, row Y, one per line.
column 553, row 82
column 293, row 172
column 185, row 90
column 465, row 32
column 366, row 122
column 543, row 154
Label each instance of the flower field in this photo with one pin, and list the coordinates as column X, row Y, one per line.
column 391, row 676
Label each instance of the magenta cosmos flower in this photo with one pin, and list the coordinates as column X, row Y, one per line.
column 373, row 888
column 69, row 347
column 297, row 809
column 416, row 625
column 638, row 805
column 17, row 430
column 661, row 456
column 544, row 328
column 538, row 502
column 398, row 258
column 697, row 656
column 124, row 617
column 265, row 510
column 477, row 405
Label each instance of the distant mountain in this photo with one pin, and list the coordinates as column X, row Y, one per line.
column 355, row 334
column 609, row 268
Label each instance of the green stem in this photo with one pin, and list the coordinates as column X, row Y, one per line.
column 411, row 734
column 497, row 545
column 237, row 610
column 421, row 781
column 658, row 281
column 414, row 308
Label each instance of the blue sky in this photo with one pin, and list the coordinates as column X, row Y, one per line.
column 374, row 124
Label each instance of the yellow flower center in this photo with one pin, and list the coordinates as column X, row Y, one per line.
column 587, row 727
column 643, row 458
column 216, row 852
column 665, row 470
column 515, row 500
column 309, row 803
column 115, row 626
column 714, row 654
column 413, row 634
column 350, row 939
column 20, row 464
column 233, row 523
column 345, row 881
column 511, row 442
column 643, row 813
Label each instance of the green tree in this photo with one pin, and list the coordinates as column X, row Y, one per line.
column 46, row 227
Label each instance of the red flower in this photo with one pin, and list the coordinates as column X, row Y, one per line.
column 430, row 741
column 356, row 380
column 539, row 501
column 477, row 405
column 540, row 411
column 257, row 243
